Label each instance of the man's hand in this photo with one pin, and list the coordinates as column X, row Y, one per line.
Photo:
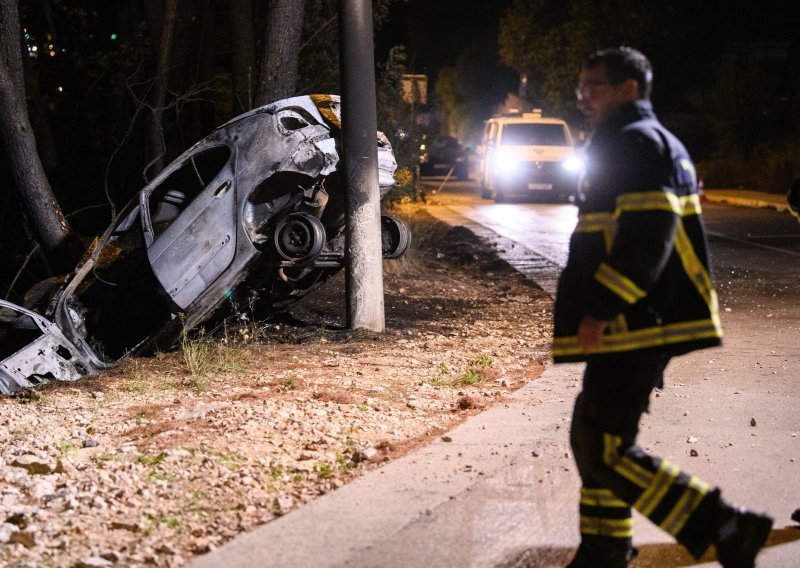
column 590, row 334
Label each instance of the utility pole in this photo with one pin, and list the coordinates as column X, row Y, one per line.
column 364, row 261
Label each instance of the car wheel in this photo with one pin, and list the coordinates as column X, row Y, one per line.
column 500, row 197
column 395, row 237
column 299, row 238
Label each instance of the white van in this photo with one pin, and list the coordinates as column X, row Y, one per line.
column 525, row 155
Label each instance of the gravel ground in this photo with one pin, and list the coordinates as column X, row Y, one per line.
column 170, row 456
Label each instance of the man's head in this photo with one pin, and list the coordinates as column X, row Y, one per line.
column 611, row 78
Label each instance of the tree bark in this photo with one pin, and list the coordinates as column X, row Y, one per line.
column 244, row 62
column 281, row 51
column 59, row 241
column 159, row 98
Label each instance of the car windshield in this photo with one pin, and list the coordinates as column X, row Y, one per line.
column 530, row 134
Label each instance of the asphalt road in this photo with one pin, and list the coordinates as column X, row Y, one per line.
column 763, row 243
column 713, row 395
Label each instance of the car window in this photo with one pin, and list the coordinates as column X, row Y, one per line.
column 533, row 134
column 176, row 191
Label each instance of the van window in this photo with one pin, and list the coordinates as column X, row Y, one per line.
column 533, row 134
column 492, row 130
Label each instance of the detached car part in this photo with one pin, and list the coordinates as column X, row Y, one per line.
column 252, row 216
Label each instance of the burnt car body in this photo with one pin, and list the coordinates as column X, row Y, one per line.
column 251, row 217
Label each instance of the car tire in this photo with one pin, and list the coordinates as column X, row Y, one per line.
column 299, row 238
column 395, row 237
column 500, row 197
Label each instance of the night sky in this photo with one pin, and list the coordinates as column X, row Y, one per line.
column 435, row 32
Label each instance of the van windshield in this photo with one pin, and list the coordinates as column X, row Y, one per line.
column 532, row 134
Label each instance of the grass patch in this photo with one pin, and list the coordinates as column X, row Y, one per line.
column 65, row 447
column 146, row 459
column 442, row 379
column 342, row 462
column 476, row 370
column 135, row 381
column 158, row 476
column 196, row 353
column 229, row 357
column 289, row 382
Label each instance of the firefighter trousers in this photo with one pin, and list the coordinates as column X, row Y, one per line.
column 617, row 475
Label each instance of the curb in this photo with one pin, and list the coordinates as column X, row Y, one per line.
column 745, row 198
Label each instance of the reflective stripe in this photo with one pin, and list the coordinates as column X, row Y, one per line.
column 606, row 223
column 648, row 337
column 622, row 464
column 695, row 270
column 652, row 496
column 618, row 528
column 684, row 508
column 594, row 222
column 658, row 201
column 600, row 498
column 598, row 222
column 618, row 324
column 618, row 283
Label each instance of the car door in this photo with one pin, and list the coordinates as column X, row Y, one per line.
column 190, row 222
column 34, row 350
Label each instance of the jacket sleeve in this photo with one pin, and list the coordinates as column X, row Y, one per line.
column 641, row 176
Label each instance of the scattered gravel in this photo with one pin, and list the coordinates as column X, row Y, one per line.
column 150, row 465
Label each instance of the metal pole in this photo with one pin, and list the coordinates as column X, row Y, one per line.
column 364, row 263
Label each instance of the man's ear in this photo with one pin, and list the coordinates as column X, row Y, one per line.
column 630, row 90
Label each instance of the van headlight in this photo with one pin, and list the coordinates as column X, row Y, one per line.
column 572, row 163
column 506, row 163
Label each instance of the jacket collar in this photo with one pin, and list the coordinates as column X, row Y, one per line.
column 629, row 113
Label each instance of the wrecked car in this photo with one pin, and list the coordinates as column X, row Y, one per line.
column 250, row 218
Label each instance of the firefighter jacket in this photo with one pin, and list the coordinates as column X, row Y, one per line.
column 638, row 256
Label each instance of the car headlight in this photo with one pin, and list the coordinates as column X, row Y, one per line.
column 572, row 164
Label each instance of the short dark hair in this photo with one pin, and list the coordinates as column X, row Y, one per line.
column 623, row 63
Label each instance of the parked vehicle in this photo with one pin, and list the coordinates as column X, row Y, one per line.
column 442, row 154
column 526, row 155
column 252, row 217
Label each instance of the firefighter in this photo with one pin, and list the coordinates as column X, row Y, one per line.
column 635, row 292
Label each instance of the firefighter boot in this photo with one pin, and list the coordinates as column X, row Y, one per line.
column 740, row 537
column 603, row 552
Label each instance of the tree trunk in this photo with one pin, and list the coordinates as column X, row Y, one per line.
column 59, row 241
column 244, row 62
column 159, row 98
column 37, row 114
column 153, row 14
column 282, row 50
